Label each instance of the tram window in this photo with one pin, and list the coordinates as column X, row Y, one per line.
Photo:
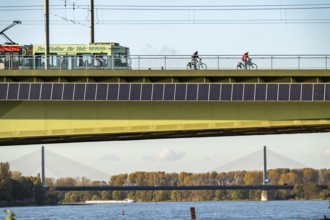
column 120, row 60
column 83, row 60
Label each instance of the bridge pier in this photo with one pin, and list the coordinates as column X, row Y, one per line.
column 264, row 195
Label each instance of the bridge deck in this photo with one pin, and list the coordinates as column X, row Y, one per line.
column 206, row 187
column 164, row 76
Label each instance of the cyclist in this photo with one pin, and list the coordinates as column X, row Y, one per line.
column 101, row 60
column 194, row 58
column 245, row 58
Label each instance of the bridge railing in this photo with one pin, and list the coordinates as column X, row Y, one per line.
column 229, row 62
column 165, row 62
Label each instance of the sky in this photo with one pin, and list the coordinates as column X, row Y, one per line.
column 181, row 27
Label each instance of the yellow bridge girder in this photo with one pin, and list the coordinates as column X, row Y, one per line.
column 45, row 121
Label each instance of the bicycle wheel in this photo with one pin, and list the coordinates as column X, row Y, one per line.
column 189, row 66
column 202, row 66
column 254, row 66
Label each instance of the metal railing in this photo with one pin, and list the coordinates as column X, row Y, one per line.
column 166, row 62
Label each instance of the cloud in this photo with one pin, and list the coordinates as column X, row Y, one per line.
column 164, row 50
column 109, row 158
column 327, row 153
column 167, row 51
column 166, row 155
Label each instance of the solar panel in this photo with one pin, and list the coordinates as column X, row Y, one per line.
column 46, row 91
column 166, row 92
column 260, row 94
column 68, row 91
column 327, row 92
column 90, row 91
column 203, row 92
column 79, row 92
column 214, row 94
column 35, row 91
column 226, row 92
column 24, row 90
column 146, row 92
column 135, row 92
column 283, row 92
column 169, row 92
column 158, row 92
column 124, row 92
column 57, row 91
column 180, row 92
column 238, row 92
column 102, row 90
column 307, row 92
column 295, row 92
column 272, row 92
column 249, row 92
column 192, row 92
column 319, row 92
column 3, row 91
column 12, row 91
column 113, row 91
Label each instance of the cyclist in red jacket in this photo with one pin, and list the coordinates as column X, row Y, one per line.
column 245, row 57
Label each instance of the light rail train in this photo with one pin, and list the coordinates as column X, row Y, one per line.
column 65, row 56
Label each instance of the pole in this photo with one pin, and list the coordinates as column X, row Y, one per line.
column 265, row 166
column 43, row 166
column 46, row 33
column 92, row 21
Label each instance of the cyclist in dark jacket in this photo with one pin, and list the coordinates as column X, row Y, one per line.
column 194, row 60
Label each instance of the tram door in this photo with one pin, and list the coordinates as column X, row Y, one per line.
column 9, row 60
column 9, row 56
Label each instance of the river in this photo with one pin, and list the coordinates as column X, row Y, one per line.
column 178, row 210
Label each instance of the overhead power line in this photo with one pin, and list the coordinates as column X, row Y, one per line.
column 63, row 19
column 66, row 21
column 174, row 7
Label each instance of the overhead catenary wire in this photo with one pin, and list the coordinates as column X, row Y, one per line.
column 176, row 7
column 57, row 9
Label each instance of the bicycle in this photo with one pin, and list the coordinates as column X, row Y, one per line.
column 199, row 65
column 248, row 65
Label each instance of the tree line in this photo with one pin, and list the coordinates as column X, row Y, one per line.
column 16, row 189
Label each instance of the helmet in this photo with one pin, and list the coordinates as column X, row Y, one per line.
column 247, row 52
column 196, row 52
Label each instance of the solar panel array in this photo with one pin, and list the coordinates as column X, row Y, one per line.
column 274, row 92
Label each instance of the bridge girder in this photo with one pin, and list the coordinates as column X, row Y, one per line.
column 36, row 122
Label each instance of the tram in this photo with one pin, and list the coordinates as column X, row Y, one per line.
column 65, row 56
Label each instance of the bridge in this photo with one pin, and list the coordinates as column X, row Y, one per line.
column 51, row 163
column 285, row 95
column 155, row 188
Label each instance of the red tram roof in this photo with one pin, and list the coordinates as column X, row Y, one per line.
column 9, row 48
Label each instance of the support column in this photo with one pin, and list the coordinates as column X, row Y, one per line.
column 46, row 9
column 92, row 21
column 43, row 166
column 264, row 193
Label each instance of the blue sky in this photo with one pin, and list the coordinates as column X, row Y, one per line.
column 277, row 29
column 281, row 30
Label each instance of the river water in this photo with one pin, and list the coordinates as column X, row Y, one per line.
column 178, row 210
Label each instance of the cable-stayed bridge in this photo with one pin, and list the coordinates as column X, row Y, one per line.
column 58, row 166
column 254, row 161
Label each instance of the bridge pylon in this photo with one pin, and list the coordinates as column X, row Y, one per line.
column 43, row 166
column 264, row 193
